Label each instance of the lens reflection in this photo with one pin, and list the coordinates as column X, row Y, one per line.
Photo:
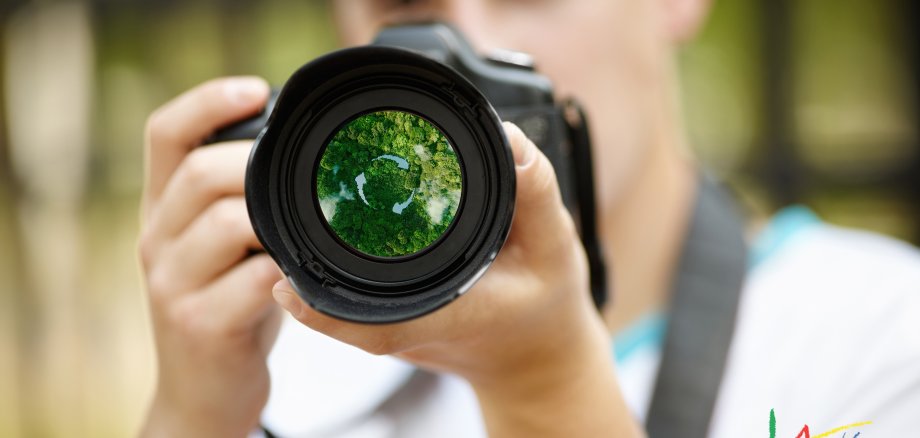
column 389, row 183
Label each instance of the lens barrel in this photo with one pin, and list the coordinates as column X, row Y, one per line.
column 414, row 141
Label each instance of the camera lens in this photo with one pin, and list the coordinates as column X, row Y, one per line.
column 389, row 184
column 382, row 185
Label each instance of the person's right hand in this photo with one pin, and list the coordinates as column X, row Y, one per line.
column 211, row 303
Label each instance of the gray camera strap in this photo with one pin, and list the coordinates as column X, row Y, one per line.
column 701, row 318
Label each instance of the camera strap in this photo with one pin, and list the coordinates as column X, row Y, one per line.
column 583, row 174
column 701, row 318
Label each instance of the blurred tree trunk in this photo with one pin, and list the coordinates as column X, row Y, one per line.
column 48, row 54
column 12, row 283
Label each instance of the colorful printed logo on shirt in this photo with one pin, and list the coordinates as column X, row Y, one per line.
column 805, row 433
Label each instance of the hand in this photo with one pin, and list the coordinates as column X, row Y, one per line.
column 526, row 336
column 213, row 316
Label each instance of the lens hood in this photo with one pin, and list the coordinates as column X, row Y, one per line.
column 314, row 105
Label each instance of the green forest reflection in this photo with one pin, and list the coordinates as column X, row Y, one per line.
column 389, row 183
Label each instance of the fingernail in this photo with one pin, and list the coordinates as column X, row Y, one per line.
column 524, row 153
column 242, row 91
column 286, row 299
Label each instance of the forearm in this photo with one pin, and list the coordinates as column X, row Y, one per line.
column 573, row 394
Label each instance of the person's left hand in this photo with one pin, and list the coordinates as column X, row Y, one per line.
column 526, row 336
column 531, row 309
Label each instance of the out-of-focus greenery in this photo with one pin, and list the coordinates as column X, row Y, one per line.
column 850, row 107
column 76, row 353
column 389, row 183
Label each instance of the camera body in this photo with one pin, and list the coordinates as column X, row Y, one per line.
column 509, row 81
column 503, row 86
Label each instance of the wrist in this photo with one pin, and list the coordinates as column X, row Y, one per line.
column 169, row 419
column 554, row 364
column 572, row 391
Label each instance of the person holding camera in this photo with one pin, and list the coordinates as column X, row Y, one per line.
column 705, row 342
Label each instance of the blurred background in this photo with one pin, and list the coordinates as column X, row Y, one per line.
column 809, row 101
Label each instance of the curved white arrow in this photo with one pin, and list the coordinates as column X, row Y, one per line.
column 401, row 162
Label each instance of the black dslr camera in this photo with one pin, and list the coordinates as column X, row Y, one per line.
column 382, row 183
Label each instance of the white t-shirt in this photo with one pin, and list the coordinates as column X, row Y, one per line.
column 827, row 335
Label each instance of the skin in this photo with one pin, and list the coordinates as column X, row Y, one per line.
column 215, row 318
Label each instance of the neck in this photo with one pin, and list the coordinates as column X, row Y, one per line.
column 643, row 234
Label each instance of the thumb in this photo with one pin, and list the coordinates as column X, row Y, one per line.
column 541, row 223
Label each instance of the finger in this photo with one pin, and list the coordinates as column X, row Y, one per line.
column 239, row 299
column 541, row 225
column 387, row 338
column 180, row 125
column 206, row 175
column 283, row 294
column 376, row 339
column 214, row 242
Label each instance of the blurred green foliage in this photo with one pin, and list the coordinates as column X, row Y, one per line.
column 78, row 360
column 389, row 183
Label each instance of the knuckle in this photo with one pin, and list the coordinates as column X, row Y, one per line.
column 265, row 272
column 228, row 216
column 157, row 128
column 186, row 319
column 195, row 170
column 147, row 248
column 160, row 284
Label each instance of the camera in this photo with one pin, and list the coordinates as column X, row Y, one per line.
column 381, row 180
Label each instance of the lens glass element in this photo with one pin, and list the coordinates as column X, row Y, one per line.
column 389, row 183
